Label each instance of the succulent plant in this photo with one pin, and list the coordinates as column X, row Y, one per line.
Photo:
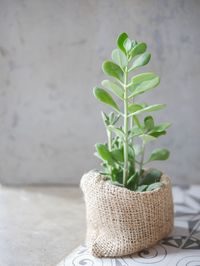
column 128, row 128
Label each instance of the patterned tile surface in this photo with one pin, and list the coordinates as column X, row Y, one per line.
column 181, row 248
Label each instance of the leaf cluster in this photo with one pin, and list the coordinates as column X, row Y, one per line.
column 131, row 128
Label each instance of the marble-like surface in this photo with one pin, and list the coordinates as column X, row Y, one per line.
column 38, row 225
column 50, row 58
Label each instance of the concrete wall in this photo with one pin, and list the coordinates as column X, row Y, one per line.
column 50, row 58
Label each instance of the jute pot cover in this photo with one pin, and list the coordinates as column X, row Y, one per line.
column 122, row 222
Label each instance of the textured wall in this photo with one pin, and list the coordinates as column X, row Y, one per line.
column 50, row 58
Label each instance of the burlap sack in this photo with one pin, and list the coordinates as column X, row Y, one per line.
column 122, row 222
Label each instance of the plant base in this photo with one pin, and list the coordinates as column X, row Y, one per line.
column 122, row 222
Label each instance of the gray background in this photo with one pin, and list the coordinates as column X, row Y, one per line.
column 50, row 58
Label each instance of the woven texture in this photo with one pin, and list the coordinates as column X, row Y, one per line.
column 122, row 222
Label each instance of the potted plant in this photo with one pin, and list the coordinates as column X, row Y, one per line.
column 129, row 206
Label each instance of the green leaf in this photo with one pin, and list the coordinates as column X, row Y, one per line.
column 120, row 41
column 117, row 175
column 150, row 176
column 154, row 186
column 113, row 70
column 133, row 107
column 142, row 188
column 131, row 152
column 157, row 134
column 105, row 119
column 147, row 138
column 110, row 119
column 104, row 153
column 159, row 155
column 149, row 123
column 142, row 60
column 117, row 142
column 113, row 88
column 135, row 131
column 134, row 43
column 142, row 83
column 127, row 45
column 150, row 108
column 113, row 118
column 160, row 128
column 143, row 77
column 105, row 97
column 116, row 183
column 132, row 182
column 118, row 131
column 118, row 154
column 138, row 49
column 119, row 58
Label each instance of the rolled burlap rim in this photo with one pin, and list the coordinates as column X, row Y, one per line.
column 120, row 221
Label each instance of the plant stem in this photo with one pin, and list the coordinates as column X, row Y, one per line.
column 142, row 157
column 125, row 170
column 131, row 143
column 109, row 134
column 131, row 125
